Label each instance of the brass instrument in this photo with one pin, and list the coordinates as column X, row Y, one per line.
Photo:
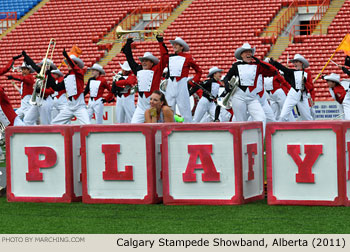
column 225, row 102
column 40, row 78
column 119, row 36
column 116, row 78
column 163, row 85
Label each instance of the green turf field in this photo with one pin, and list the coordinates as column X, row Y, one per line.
column 255, row 217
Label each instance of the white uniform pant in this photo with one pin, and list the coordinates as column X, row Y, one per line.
column 270, row 116
column 204, row 106
column 345, row 106
column 18, row 122
column 247, row 102
column 25, row 106
column 73, row 108
column 177, row 93
column 142, row 105
column 43, row 112
column 125, row 108
column 58, row 104
column 96, row 106
column 293, row 98
column 277, row 100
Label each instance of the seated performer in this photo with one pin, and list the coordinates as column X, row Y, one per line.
column 338, row 93
column 244, row 99
column 160, row 111
column 73, row 83
column 96, row 86
column 148, row 74
column 301, row 83
column 121, row 88
column 207, row 103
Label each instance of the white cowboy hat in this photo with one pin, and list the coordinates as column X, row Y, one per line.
column 77, row 60
column 125, row 66
column 150, row 57
column 214, row 70
column 97, row 67
column 244, row 47
column 48, row 62
column 298, row 57
column 57, row 71
column 24, row 65
column 333, row 77
column 181, row 42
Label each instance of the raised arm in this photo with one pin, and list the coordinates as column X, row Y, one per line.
column 30, row 62
column 129, row 57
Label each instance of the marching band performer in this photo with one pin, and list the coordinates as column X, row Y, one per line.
column 96, row 86
column 44, row 110
column 301, row 83
column 179, row 65
column 27, row 82
column 121, row 88
column 244, row 98
column 59, row 98
column 73, row 83
column 9, row 65
column 8, row 116
column 148, row 74
column 338, row 93
column 159, row 112
column 206, row 104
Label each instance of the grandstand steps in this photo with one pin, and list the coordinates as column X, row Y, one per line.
column 29, row 13
column 272, row 26
column 327, row 19
column 177, row 12
column 279, row 47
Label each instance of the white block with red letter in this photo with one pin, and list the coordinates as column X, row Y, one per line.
column 118, row 164
column 212, row 163
column 40, row 164
column 306, row 163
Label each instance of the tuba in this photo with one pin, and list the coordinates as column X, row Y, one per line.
column 41, row 80
column 225, row 102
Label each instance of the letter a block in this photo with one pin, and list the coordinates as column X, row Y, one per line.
column 42, row 166
column 218, row 164
column 118, row 164
column 306, row 163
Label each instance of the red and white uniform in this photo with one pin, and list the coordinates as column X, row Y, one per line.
column 342, row 96
column 245, row 100
column 177, row 91
column 8, row 116
column 96, row 87
column 125, row 106
column 277, row 89
column 59, row 100
column 73, row 83
column 148, row 80
column 27, row 83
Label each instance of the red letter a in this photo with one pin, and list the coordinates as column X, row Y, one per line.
column 312, row 152
column 203, row 152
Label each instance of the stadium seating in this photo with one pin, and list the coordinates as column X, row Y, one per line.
column 19, row 6
column 322, row 47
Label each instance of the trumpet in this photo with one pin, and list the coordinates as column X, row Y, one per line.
column 41, row 79
column 119, row 35
column 225, row 102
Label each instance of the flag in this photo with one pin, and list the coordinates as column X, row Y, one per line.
column 345, row 45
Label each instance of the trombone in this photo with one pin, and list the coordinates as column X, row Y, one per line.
column 225, row 102
column 119, row 35
column 41, row 80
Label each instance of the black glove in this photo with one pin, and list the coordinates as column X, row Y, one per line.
column 160, row 38
column 256, row 60
column 322, row 77
column 129, row 41
column 48, row 72
column 10, row 77
column 103, row 100
column 24, row 53
column 17, row 57
column 272, row 61
column 65, row 54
